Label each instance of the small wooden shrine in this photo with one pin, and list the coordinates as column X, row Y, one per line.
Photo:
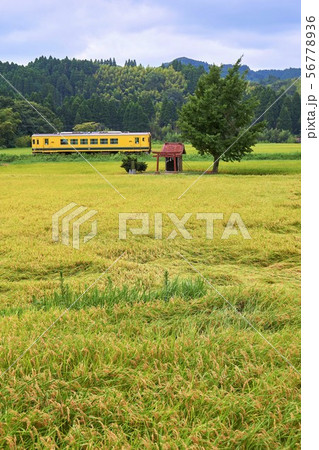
column 173, row 153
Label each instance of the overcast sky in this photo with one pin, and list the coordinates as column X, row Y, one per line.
column 267, row 32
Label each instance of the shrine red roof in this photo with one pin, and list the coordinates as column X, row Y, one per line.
column 172, row 149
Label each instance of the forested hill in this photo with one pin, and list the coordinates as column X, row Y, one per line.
column 130, row 98
column 264, row 75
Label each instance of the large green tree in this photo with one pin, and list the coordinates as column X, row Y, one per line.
column 296, row 113
column 215, row 119
column 9, row 122
column 87, row 127
column 134, row 118
column 168, row 113
column 284, row 121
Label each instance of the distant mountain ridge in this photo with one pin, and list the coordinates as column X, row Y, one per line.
column 253, row 75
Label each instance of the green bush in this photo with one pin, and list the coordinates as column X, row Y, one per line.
column 23, row 141
column 130, row 162
column 274, row 135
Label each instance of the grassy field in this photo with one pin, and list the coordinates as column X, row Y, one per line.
column 259, row 148
column 277, row 148
column 151, row 357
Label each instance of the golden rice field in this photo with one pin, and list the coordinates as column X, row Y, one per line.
column 129, row 366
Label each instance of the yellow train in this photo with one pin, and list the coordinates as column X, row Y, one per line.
column 94, row 142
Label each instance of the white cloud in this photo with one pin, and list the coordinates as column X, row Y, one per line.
column 157, row 45
column 146, row 30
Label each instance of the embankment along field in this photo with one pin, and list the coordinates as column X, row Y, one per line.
column 151, row 356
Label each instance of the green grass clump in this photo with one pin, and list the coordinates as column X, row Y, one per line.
column 112, row 295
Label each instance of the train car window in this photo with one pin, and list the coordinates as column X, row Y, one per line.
column 38, row 141
column 137, row 140
column 33, row 141
column 74, row 141
column 104, row 141
column 83, row 141
column 93, row 141
column 114, row 141
column 143, row 139
column 46, row 141
column 63, row 141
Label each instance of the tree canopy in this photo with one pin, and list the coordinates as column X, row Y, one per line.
column 216, row 117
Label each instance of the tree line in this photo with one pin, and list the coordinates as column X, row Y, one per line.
column 70, row 92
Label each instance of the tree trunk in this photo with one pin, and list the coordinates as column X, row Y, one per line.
column 215, row 166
